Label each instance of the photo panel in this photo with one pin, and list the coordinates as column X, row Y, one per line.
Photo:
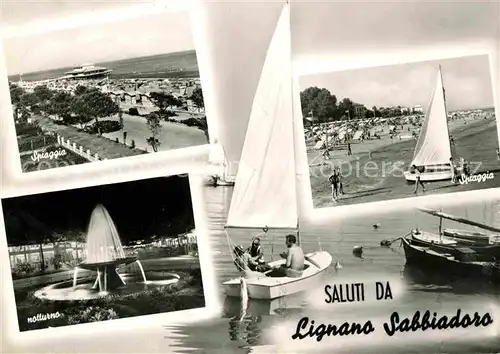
column 105, row 252
column 439, row 259
column 393, row 132
column 104, row 89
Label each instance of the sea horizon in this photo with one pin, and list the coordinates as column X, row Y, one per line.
column 142, row 67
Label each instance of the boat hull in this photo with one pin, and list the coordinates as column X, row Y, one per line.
column 217, row 182
column 428, row 176
column 268, row 288
column 437, row 260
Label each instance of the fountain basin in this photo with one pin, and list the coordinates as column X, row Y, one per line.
column 84, row 288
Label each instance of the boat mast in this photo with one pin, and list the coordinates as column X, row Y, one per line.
column 292, row 86
column 444, row 98
column 440, row 228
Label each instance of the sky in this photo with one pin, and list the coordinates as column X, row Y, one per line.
column 467, row 82
column 29, row 47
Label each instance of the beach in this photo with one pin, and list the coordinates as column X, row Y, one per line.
column 382, row 179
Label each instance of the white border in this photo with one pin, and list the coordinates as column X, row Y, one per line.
column 8, row 305
column 331, row 63
column 9, row 148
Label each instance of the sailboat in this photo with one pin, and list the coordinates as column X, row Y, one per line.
column 220, row 175
column 265, row 195
column 433, row 150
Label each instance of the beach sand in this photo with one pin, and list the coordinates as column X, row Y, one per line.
column 382, row 179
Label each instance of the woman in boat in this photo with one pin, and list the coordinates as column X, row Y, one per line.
column 242, row 261
column 256, row 254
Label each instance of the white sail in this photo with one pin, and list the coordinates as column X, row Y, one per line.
column 217, row 160
column 303, row 182
column 265, row 190
column 433, row 145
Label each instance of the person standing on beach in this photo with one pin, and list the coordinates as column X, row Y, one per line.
column 334, row 181
column 417, row 180
column 340, row 178
column 349, row 151
column 453, row 171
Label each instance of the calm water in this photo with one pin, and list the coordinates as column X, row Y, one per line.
column 257, row 330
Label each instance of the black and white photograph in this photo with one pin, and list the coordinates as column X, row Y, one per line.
column 104, row 90
column 398, row 131
column 103, row 252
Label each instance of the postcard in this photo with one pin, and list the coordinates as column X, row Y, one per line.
column 392, row 132
column 104, row 252
column 106, row 90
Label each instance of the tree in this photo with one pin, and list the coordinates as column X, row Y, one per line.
column 346, row 107
column 90, row 103
column 153, row 121
column 43, row 98
column 61, row 105
column 163, row 101
column 197, row 98
column 320, row 101
column 18, row 102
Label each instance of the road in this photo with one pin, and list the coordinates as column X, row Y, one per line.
column 172, row 135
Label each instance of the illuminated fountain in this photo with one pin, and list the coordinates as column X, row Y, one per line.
column 105, row 252
column 104, row 255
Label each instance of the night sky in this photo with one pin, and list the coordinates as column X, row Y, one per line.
column 140, row 209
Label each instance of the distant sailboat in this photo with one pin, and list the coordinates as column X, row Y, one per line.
column 265, row 195
column 219, row 166
column 433, row 150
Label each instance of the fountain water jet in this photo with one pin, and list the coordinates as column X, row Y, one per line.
column 104, row 251
column 142, row 271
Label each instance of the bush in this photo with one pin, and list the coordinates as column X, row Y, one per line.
column 105, row 126
column 133, row 111
column 27, row 129
column 22, row 269
column 92, row 314
column 193, row 122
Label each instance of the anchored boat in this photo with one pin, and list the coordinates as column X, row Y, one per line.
column 265, row 195
column 487, row 246
column 454, row 256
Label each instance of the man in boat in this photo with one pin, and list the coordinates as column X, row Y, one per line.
column 294, row 265
column 417, row 179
